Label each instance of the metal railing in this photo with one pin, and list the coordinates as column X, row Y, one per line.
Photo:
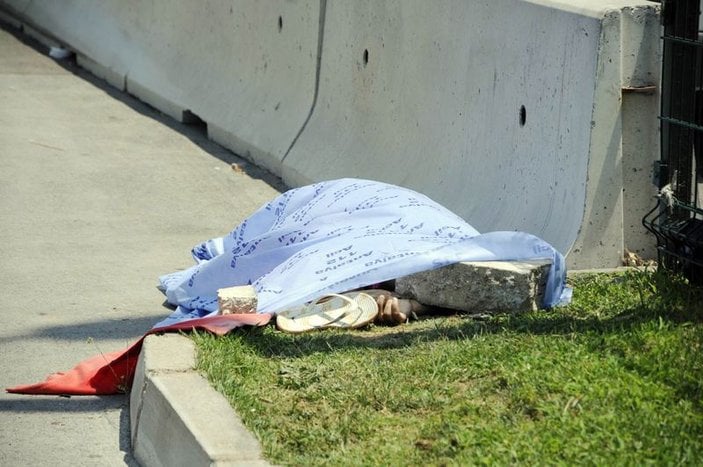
column 677, row 219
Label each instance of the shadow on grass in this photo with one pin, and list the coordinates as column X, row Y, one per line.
column 457, row 327
column 658, row 336
column 607, row 304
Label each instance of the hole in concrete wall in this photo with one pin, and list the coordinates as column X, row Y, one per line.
column 523, row 115
column 366, row 56
column 280, row 23
column 191, row 119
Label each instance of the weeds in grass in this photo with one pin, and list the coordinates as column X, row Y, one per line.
column 616, row 377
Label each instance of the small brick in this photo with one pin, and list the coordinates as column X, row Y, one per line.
column 238, row 299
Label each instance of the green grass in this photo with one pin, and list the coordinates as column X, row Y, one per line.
column 615, row 378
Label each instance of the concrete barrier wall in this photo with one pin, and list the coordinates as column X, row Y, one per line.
column 624, row 139
column 509, row 112
column 506, row 111
column 485, row 106
column 245, row 67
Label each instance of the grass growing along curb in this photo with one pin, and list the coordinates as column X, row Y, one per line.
column 614, row 378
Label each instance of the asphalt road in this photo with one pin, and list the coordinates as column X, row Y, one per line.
column 99, row 195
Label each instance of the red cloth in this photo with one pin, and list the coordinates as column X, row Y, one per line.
column 113, row 373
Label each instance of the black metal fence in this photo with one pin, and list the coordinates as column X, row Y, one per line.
column 677, row 219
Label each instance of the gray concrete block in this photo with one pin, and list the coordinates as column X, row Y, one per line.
column 479, row 287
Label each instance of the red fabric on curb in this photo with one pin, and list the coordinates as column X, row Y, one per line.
column 113, row 373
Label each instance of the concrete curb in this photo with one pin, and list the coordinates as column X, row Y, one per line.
column 177, row 418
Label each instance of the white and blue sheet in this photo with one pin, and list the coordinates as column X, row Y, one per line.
column 340, row 235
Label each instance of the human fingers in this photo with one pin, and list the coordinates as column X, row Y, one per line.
column 397, row 316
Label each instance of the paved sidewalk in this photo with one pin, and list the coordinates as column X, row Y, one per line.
column 99, row 195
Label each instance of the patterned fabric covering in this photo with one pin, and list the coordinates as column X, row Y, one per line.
column 336, row 236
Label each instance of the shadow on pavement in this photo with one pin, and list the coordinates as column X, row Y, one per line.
column 126, row 328
column 23, row 404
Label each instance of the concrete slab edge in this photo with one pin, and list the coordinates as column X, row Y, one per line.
column 9, row 20
column 177, row 418
column 28, row 29
column 617, row 270
column 113, row 77
column 155, row 99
